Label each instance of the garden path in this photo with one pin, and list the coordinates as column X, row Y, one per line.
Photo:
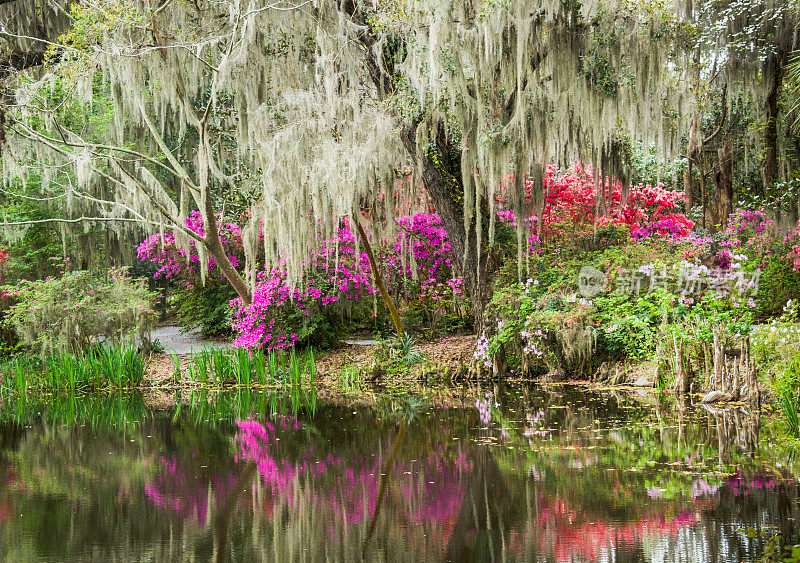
column 177, row 342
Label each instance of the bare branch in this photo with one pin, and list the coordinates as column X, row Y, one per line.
column 160, row 8
column 20, row 61
column 21, row 196
column 175, row 223
column 76, row 220
column 181, row 173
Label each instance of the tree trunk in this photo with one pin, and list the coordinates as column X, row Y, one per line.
column 771, row 131
column 692, row 148
column 387, row 299
column 214, row 246
column 681, row 375
column 216, row 251
column 446, row 192
column 690, row 154
column 725, row 180
column 445, row 189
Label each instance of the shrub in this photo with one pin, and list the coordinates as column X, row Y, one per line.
column 627, row 328
column 536, row 331
column 340, row 281
column 778, row 283
column 338, row 284
column 571, row 214
column 68, row 313
column 206, row 307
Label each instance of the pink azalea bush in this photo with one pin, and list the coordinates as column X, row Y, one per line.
column 338, row 279
column 282, row 314
column 430, row 280
column 176, row 263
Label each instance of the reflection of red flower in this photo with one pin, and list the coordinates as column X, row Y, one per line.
column 6, row 510
column 570, row 534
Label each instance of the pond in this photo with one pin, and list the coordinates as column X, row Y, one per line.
column 516, row 473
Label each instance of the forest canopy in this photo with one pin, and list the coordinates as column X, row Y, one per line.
column 296, row 114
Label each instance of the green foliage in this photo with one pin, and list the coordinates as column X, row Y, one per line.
column 776, row 342
column 205, row 307
column 97, row 368
column 774, row 551
column 240, row 366
column 350, row 378
column 786, row 386
column 776, row 349
column 536, row 330
column 400, row 352
column 70, row 312
column 322, row 326
column 779, row 282
column 628, row 328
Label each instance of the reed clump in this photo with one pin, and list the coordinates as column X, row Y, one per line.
column 101, row 367
column 239, row 366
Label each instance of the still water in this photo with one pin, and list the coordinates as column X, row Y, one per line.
column 516, row 473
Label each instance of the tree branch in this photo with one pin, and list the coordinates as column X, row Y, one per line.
column 175, row 223
column 180, row 173
column 77, row 220
column 724, row 114
column 19, row 61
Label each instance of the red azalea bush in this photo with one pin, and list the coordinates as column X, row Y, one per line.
column 571, row 207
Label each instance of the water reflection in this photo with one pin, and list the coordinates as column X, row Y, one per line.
column 524, row 473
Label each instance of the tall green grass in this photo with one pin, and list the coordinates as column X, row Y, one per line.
column 350, row 379
column 237, row 366
column 115, row 367
column 122, row 367
column 789, row 405
column 785, row 384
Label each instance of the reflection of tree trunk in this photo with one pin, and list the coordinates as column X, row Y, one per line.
column 486, row 496
column 222, row 521
column 753, row 427
column 722, row 437
column 682, row 404
column 385, row 478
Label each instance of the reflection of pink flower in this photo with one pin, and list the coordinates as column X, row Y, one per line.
column 353, row 490
column 187, row 497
